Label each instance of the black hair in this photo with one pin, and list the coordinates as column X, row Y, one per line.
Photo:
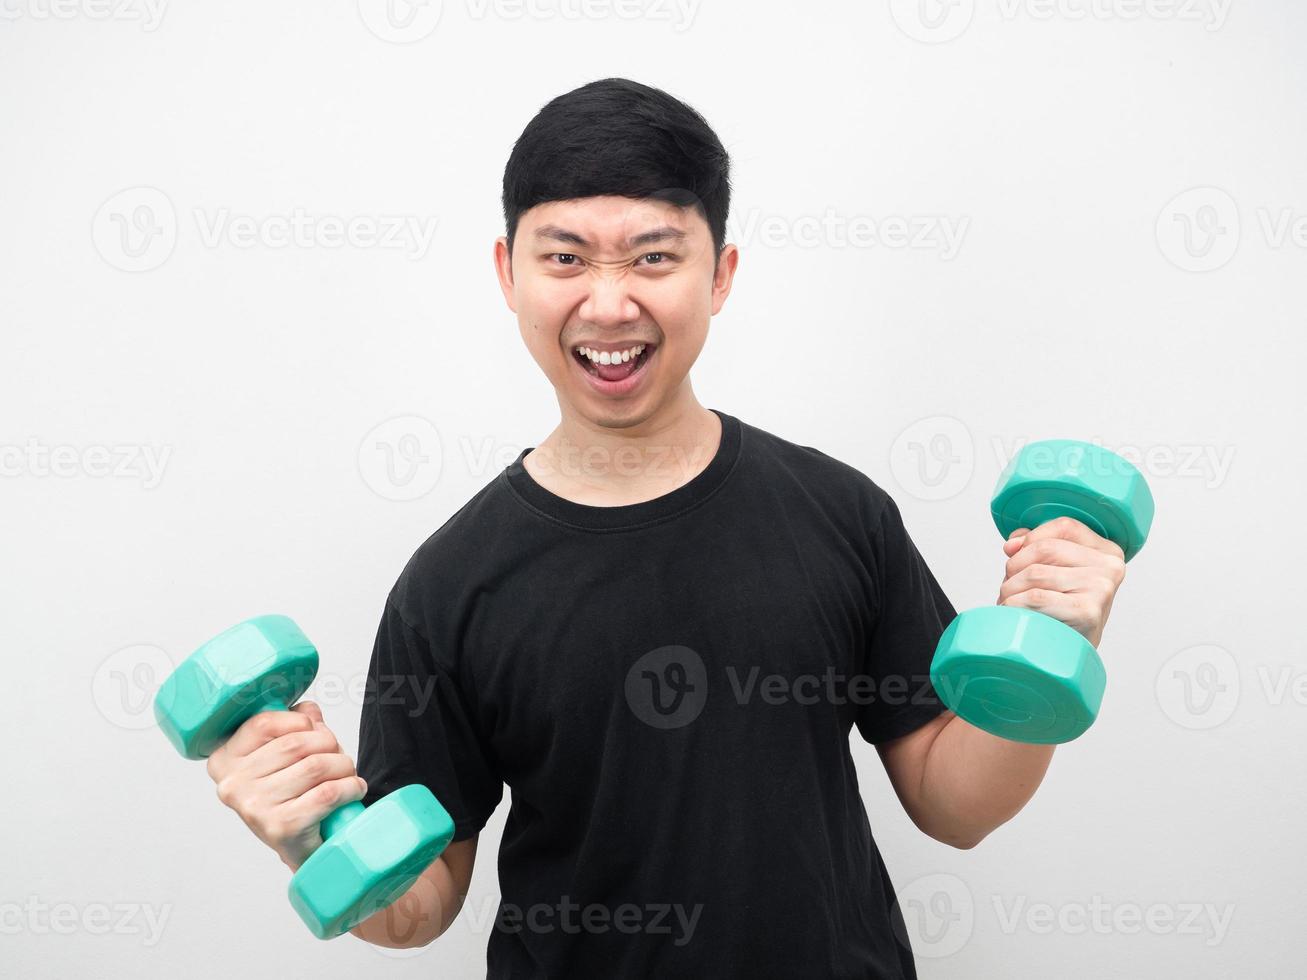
column 618, row 137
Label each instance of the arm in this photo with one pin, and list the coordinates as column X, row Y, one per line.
column 958, row 783
column 283, row 772
column 423, row 731
column 429, row 907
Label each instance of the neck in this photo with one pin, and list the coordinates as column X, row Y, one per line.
column 624, row 460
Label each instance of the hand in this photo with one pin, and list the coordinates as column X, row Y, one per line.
column 283, row 772
column 1065, row 570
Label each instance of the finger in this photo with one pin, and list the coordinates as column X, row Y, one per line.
column 1059, row 551
column 1015, row 540
column 1060, row 605
column 306, row 774
column 309, row 708
column 314, row 804
column 1074, row 609
column 283, row 752
column 263, row 728
column 1069, row 529
column 1055, row 578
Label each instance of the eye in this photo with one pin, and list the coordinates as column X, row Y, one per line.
column 568, row 260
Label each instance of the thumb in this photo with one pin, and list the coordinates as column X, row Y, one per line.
column 1015, row 540
column 310, row 709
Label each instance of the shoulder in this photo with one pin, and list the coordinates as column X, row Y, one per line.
column 450, row 555
column 830, row 482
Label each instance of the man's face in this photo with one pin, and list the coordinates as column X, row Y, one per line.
column 629, row 281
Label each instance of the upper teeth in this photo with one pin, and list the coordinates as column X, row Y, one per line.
column 611, row 357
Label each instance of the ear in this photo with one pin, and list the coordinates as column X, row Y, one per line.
column 724, row 276
column 504, row 270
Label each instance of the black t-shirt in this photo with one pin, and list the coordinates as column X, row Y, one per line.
column 667, row 688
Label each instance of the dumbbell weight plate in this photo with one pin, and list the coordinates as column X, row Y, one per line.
column 1019, row 674
column 264, row 663
column 1056, row 477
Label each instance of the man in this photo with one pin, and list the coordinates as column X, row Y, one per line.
column 660, row 626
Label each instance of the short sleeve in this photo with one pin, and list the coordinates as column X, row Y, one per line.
column 416, row 727
column 912, row 614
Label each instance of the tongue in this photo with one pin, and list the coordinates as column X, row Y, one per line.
column 615, row 372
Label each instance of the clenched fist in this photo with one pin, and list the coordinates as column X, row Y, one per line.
column 1065, row 570
column 283, row 772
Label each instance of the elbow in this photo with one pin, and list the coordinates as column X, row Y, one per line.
column 387, row 941
column 952, row 829
column 962, row 838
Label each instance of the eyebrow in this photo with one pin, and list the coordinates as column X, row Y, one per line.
column 554, row 233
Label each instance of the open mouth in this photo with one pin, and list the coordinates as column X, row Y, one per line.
column 619, row 368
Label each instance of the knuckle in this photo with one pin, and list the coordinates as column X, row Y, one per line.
column 274, row 829
column 298, row 745
column 316, row 767
column 264, row 725
column 226, row 792
column 324, row 794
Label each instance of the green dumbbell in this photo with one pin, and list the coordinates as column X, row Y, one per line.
column 1018, row 673
column 369, row 856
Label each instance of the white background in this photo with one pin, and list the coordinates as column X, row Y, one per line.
column 1129, row 183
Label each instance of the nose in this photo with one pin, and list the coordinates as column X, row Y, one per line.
column 609, row 302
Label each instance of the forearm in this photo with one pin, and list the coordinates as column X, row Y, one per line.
column 973, row 782
column 420, row 915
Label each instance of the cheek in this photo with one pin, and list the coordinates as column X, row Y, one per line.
column 680, row 312
column 541, row 319
column 682, row 296
column 542, row 300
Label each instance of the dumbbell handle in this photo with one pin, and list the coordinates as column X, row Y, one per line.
column 338, row 818
column 1043, row 513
